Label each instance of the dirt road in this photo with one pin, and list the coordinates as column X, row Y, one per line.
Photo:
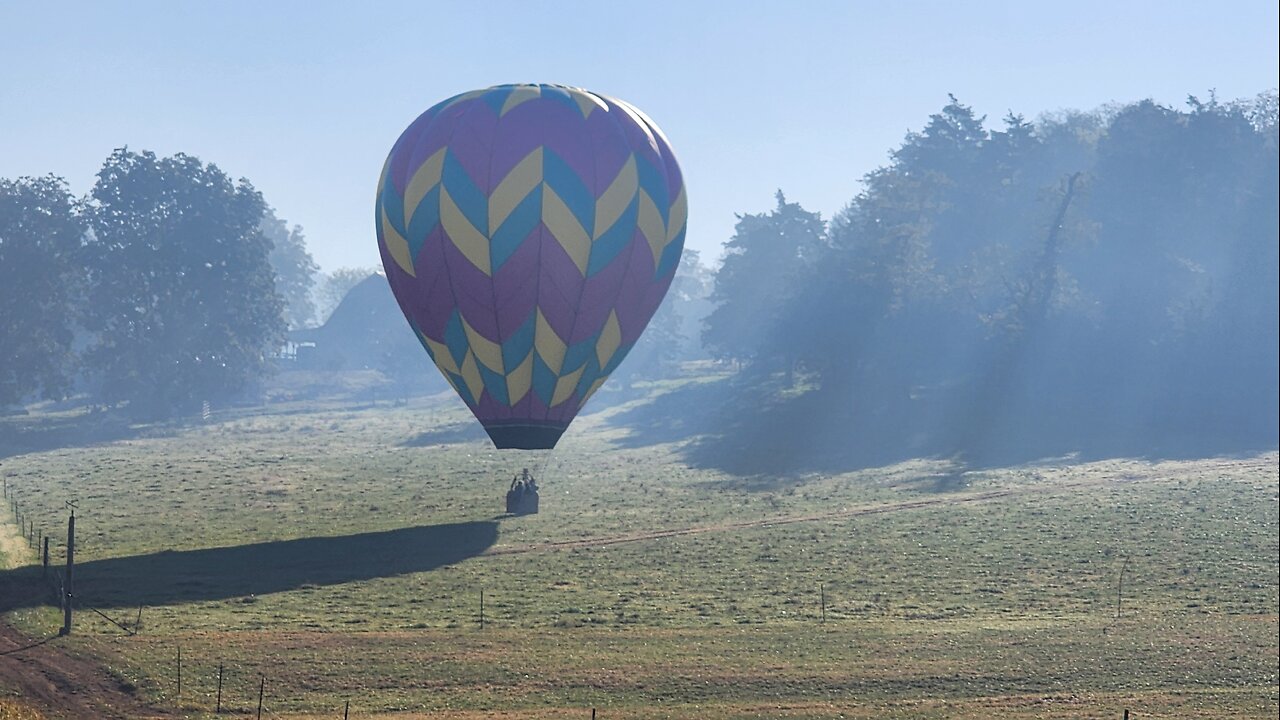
column 43, row 674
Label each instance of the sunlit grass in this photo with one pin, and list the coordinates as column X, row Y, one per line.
column 1000, row 593
column 16, row 710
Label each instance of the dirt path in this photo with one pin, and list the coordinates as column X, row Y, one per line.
column 59, row 683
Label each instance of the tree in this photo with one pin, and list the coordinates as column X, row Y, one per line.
column 765, row 255
column 1186, row 206
column 334, row 287
column 181, row 296
column 294, row 268
column 1099, row 281
column 40, row 236
column 691, row 294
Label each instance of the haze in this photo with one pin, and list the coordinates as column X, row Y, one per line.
column 305, row 99
column 819, row 360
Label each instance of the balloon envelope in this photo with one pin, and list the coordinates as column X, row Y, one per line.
column 529, row 233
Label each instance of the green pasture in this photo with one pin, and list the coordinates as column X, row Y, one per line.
column 341, row 549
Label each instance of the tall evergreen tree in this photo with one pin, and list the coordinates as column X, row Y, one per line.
column 1102, row 281
column 754, row 282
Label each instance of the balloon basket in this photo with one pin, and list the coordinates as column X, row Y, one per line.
column 522, row 498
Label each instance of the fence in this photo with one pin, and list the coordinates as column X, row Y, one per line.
column 231, row 689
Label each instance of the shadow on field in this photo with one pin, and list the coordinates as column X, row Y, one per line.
column 688, row 412
column 770, row 435
column 220, row 573
column 22, row 434
column 765, row 438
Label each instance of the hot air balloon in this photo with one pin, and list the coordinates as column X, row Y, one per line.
column 529, row 233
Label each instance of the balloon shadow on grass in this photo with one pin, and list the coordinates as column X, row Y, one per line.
column 167, row 578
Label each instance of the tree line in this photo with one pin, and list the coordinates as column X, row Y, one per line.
column 169, row 284
column 1102, row 281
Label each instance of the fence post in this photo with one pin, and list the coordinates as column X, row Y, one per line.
column 482, row 609
column 67, row 585
column 262, row 685
column 45, row 571
column 179, row 671
column 346, row 710
column 218, row 707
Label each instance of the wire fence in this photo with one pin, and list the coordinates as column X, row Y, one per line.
column 197, row 685
column 231, row 688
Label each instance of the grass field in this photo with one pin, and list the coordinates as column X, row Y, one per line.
column 341, row 551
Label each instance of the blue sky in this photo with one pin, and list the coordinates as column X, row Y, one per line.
column 306, row 98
